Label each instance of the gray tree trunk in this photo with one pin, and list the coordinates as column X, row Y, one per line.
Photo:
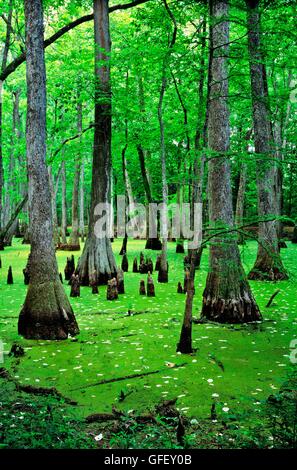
column 3, row 65
column 268, row 264
column 74, row 237
column 97, row 263
column 53, row 206
column 227, row 297
column 82, row 203
column 64, row 204
column 46, row 313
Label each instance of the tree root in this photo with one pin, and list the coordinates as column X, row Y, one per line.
column 31, row 389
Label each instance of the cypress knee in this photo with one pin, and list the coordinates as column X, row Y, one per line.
column 120, row 281
column 158, row 262
column 112, row 291
column 75, row 286
column 150, row 266
column 69, row 268
column 135, row 266
column 150, row 286
column 143, row 268
column 9, row 276
column 179, row 288
column 125, row 264
column 142, row 287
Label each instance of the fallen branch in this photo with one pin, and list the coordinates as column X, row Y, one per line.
column 126, row 377
column 272, row 297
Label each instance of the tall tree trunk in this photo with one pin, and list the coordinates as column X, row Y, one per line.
column 74, row 237
column 56, row 235
column 227, row 297
column 64, row 204
column 163, row 270
column 12, row 189
column 268, row 264
column 97, row 263
column 240, row 200
column 82, row 203
column 152, row 243
column 3, row 66
column 239, row 211
column 46, row 313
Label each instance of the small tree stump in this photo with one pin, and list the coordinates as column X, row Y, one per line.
column 150, row 288
column 112, row 291
column 142, row 287
column 179, row 288
column 69, row 268
column 120, row 281
column 135, row 266
column 125, row 264
column 61, row 277
column 75, row 286
column 9, row 276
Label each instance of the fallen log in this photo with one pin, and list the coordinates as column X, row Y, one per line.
column 126, row 377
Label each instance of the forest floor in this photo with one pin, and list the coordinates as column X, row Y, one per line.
column 237, row 367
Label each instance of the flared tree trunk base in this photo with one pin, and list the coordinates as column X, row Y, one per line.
column 47, row 313
column 224, row 305
column 266, row 269
column 163, row 275
column 185, row 344
column 97, row 263
column 153, row 244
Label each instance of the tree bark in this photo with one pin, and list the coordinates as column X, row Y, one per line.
column 74, row 236
column 163, row 271
column 97, row 258
column 46, row 313
column 53, row 207
column 82, row 203
column 227, row 297
column 3, row 66
column 64, row 204
column 268, row 265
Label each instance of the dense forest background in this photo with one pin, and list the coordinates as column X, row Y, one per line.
column 158, row 101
